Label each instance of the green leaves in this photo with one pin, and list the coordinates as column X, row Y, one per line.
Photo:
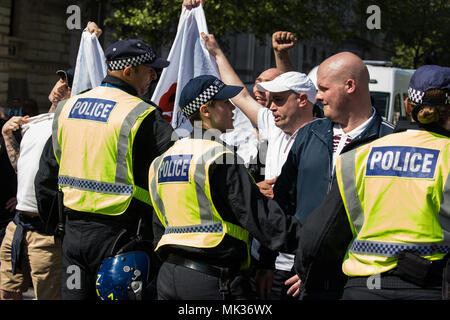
column 417, row 32
column 156, row 20
column 414, row 32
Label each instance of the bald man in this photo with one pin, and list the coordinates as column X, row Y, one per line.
column 263, row 97
column 343, row 89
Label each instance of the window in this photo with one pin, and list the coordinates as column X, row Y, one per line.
column 397, row 108
column 380, row 102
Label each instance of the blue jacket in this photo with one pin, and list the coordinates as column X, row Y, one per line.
column 306, row 176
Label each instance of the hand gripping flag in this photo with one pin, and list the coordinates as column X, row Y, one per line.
column 91, row 67
column 188, row 58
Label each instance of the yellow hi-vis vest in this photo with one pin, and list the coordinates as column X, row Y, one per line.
column 93, row 135
column 396, row 191
column 181, row 196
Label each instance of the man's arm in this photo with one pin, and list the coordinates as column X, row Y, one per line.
column 285, row 190
column 11, row 144
column 259, row 215
column 244, row 99
column 325, row 237
column 282, row 42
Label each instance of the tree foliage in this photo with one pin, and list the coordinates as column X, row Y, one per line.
column 413, row 32
column 156, row 20
column 416, row 32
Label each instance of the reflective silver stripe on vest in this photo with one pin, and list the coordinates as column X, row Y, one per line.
column 203, row 228
column 351, row 195
column 122, row 142
column 444, row 212
column 96, row 186
column 392, row 249
column 154, row 190
column 204, row 203
column 205, row 208
column 55, row 142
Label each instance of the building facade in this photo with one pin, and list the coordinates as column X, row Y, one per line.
column 36, row 40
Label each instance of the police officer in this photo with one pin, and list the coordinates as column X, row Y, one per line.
column 206, row 202
column 386, row 220
column 104, row 141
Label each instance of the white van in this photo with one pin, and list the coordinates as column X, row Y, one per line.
column 388, row 88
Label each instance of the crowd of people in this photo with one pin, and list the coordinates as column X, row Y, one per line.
column 111, row 204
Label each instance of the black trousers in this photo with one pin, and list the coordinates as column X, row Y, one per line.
column 390, row 287
column 177, row 282
column 362, row 293
column 85, row 245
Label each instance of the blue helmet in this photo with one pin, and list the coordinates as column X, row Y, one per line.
column 123, row 277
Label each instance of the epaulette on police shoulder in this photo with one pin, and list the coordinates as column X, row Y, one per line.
column 153, row 104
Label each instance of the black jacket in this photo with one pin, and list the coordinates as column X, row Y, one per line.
column 153, row 138
column 239, row 201
column 325, row 237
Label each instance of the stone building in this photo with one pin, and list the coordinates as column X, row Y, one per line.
column 35, row 41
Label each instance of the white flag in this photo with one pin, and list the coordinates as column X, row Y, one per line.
column 90, row 69
column 188, row 58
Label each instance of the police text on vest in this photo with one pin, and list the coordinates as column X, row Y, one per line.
column 92, row 109
column 399, row 161
column 175, row 168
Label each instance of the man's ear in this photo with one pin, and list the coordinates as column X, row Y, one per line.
column 127, row 72
column 303, row 98
column 204, row 111
column 350, row 85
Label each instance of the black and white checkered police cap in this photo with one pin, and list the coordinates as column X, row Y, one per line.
column 426, row 78
column 202, row 89
column 132, row 52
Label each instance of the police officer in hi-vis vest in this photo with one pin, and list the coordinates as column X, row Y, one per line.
column 104, row 141
column 206, row 202
column 386, row 220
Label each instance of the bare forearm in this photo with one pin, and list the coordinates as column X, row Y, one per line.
column 13, row 149
column 283, row 61
column 282, row 42
column 244, row 100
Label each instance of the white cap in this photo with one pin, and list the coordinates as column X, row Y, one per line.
column 292, row 80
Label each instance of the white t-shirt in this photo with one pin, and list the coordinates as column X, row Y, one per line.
column 244, row 137
column 35, row 135
column 279, row 143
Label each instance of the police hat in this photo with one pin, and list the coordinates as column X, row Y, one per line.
column 426, row 78
column 132, row 52
column 202, row 89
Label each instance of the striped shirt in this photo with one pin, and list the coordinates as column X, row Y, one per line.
column 341, row 139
